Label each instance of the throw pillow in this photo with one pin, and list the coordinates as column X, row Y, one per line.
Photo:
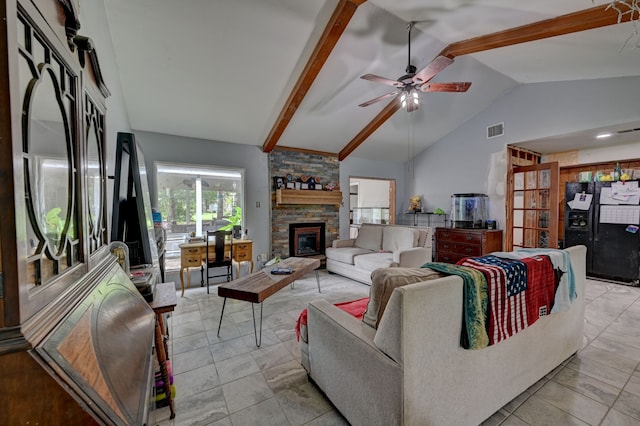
column 369, row 237
column 396, row 238
column 384, row 281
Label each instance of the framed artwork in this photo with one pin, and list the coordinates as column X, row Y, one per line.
column 278, row 182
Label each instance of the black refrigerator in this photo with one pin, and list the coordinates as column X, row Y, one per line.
column 609, row 230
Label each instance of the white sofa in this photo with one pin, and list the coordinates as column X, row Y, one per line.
column 379, row 246
column 412, row 370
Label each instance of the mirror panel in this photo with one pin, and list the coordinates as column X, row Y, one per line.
column 95, row 177
column 48, row 139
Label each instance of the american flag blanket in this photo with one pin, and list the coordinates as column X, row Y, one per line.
column 519, row 292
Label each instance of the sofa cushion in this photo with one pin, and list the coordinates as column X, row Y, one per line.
column 396, row 238
column 371, row 261
column 345, row 254
column 384, row 281
column 369, row 237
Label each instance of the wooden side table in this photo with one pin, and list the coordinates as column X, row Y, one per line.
column 164, row 301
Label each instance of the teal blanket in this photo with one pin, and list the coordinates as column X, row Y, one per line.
column 475, row 303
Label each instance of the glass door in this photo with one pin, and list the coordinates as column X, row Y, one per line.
column 532, row 206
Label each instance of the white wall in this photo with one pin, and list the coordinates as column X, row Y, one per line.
column 92, row 17
column 460, row 162
column 257, row 189
column 596, row 155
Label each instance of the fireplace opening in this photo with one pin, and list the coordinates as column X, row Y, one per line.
column 306, row 239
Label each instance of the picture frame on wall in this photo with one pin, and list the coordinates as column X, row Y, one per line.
column 278, row 182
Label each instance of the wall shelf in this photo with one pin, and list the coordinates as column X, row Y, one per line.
column 308, row 196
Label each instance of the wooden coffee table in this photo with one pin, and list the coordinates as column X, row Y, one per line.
column 256, row 287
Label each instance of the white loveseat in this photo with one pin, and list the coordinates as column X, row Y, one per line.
column 412, row 370
column 379, row 246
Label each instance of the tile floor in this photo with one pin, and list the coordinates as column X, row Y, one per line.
column 229, row 381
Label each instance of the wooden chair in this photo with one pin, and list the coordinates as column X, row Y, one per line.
column 217, row 256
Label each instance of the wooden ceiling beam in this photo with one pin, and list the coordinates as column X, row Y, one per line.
column 378, row 121
column 332, row 32
column 305, row 151
column 588, row 19
column 583, row 20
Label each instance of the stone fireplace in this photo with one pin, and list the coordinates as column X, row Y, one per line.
column 306, row 239
column 325, row 168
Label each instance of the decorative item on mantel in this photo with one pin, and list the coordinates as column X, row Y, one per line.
column 331, row 186
column 303, row 183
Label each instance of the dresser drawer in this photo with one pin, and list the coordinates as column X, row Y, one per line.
column 190, row 261
column 449, row 257
column 462, row 249
column 192, row 250
column 459, row 236
column 240, row 256
column 241, row 247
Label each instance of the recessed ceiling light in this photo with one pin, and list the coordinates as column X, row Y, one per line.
column 604, row 135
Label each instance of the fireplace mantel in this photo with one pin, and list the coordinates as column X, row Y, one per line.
column 308, row 196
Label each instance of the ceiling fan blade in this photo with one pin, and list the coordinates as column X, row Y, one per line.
column 378, row 99
column 383, row 80
column 428, row 72
column 445, row 87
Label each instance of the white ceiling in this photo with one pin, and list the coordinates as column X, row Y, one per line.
column 222, row 70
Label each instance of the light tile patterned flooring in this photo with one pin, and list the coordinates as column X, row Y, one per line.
column 229, row 381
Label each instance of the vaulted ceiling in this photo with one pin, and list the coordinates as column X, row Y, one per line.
column 287, row 72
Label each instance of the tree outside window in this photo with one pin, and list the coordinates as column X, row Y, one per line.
column 194, row 199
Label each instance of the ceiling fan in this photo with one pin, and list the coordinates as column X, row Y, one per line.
column 409, row 85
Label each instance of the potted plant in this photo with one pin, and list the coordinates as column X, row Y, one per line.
column 235, row 222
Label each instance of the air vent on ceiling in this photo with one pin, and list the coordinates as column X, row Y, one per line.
column 495, row 130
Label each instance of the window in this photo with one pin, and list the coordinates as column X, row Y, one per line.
column 194, row 199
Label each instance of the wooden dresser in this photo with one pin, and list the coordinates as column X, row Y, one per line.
column 453, row 244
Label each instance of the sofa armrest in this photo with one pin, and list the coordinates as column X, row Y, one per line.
column 413, row 257
column 344, row 243
column 361, row 381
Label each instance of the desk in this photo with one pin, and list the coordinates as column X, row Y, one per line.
column 192, row 254
column 164, row 301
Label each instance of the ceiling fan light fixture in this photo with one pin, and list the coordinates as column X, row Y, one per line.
column 410, row 100
column 604, row 135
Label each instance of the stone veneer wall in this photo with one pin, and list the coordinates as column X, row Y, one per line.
column 327, row 168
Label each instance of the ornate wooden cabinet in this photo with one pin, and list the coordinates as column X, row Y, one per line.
column 453, row 244
column 76, row 338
